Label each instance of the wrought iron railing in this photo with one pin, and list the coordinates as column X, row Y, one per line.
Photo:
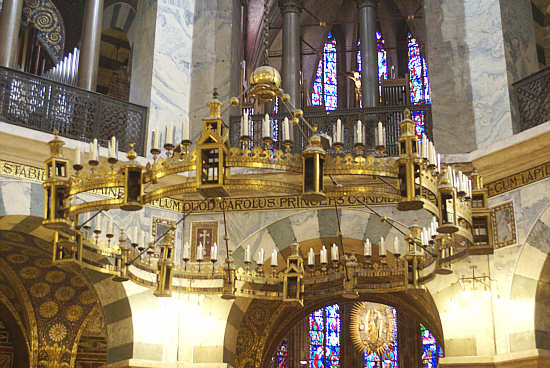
column 390, row 116
column 41, row 104
column 533, row 100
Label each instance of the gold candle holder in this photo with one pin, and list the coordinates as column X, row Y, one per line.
column 360, row 148
column 287, row 146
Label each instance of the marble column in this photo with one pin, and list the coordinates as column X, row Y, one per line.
column 10, row 22
column 290, row 10
column 369, row 56
column 91, row 40
column 469, row 76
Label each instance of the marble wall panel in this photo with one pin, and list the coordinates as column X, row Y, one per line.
column 468, row 74
column 519, row 43
column 211, row 63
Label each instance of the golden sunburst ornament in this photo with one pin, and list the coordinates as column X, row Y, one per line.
column 373, row 327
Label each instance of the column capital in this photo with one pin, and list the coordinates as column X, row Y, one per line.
column 291, row 6
column 367, row 3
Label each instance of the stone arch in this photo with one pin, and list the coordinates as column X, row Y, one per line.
column 255, row 327
column 27, row 232
column 530, row 288
column 119, row 15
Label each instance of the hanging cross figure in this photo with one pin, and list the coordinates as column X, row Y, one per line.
column 204, row 236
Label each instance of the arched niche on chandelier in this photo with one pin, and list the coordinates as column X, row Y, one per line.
column 255, row 328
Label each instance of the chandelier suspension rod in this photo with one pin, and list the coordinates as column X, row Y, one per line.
column 225, row 238
column 341, row 241
column 88, row 220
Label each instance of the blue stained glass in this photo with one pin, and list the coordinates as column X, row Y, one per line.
column 282, row 355
column 324, row 337
column 431, row 349
column 382, row 59
column 419, row 83
column 325, row 91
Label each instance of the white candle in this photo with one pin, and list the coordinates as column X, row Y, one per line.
column 324, row 258
column 186, row 251
column 186, row 129
column 134, row 235
column 141, row 241
column 286, row 130
column 247, row 256
column 77, row 155
column 395, row 244
column 200, row 251
column 367, row 251
column 274, row 258
column 156, row 144
column 380, row 134
column 438, row 163
column 359, row 135
column 382, row 247
column 334, row 252
column 424, row 146
column 311, row 257
column 98, row 222
column 214, row 253
column 112, row 147
column 265, row 127
column 339, row 131
column 260, row 260
column 94, row 150
column 110, row 226
column 170, row 134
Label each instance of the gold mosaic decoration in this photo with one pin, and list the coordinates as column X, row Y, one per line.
column 73, row 313
column 57, row 332
column 48, row 309
column 17, row 258
column 55, row 277
column 43, row 262
column 29, row 273
column 49, row 23
column 40, row 290
column 87, row 297
column 77, row 282
column 64, row 293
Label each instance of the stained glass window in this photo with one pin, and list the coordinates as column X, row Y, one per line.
column 324, row 337
column 431, row 349
column 275, row 125
column 419, row 83
column 389, row 358
column 282, row 355
column 325, row 86
column 382, row 58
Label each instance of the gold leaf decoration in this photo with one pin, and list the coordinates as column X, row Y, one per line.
column 40, row 289
column 64, row 293
column 55, row 277
column 48, row 309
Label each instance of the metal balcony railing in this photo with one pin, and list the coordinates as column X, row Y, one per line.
column 390, row 116
column 37, row 103
column 533, row 100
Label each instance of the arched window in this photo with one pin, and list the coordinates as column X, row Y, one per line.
column 325, row 87
column 382, row 58
column 431, row 349
column 389, row 357
column 419, row 83
column 324, row 337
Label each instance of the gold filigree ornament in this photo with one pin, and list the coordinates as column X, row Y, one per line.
column 55, row 354
column 29, row 273
column 73, row 313
column 40, row 290
column 55, row 277
column 48, row 309
column 57, row 332
column 64, row 293
column 372, row 327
